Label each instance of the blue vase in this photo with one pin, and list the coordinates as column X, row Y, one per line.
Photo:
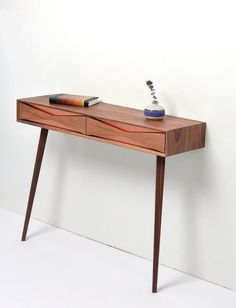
column 154, row 111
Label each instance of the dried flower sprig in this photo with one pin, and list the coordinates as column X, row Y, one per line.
column 153, row 91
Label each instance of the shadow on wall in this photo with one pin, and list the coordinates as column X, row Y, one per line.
column 96, row 154
column 188, row 174
column 190, row 177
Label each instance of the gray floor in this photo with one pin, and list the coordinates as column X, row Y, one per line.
column 56, row 268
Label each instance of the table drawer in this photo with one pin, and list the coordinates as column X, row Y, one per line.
column 52, row 117
column 126, row 133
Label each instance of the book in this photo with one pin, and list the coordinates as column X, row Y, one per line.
column 74, row 100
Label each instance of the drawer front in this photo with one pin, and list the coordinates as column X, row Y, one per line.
column 52, row 117
column 126, row 133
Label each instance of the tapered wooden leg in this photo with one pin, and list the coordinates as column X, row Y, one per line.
column 160, row 171
column 37, row 166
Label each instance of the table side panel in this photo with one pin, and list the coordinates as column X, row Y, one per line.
column 185, row 139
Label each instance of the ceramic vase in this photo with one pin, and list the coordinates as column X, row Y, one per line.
column 154, row 111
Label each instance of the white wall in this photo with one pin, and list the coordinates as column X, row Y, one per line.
column 110, row 48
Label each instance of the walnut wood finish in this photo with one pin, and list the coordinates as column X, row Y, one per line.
column 37, row 167
column 160, row 172
column 53, row 117
column 115, row 131
column 116, row 125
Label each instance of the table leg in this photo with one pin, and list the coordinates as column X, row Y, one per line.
column 37, row 166
column 160, row 171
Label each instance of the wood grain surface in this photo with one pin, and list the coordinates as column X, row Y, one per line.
column 115, row 124
column 150, row 140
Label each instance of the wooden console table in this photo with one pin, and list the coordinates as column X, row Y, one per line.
column 116, row 125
